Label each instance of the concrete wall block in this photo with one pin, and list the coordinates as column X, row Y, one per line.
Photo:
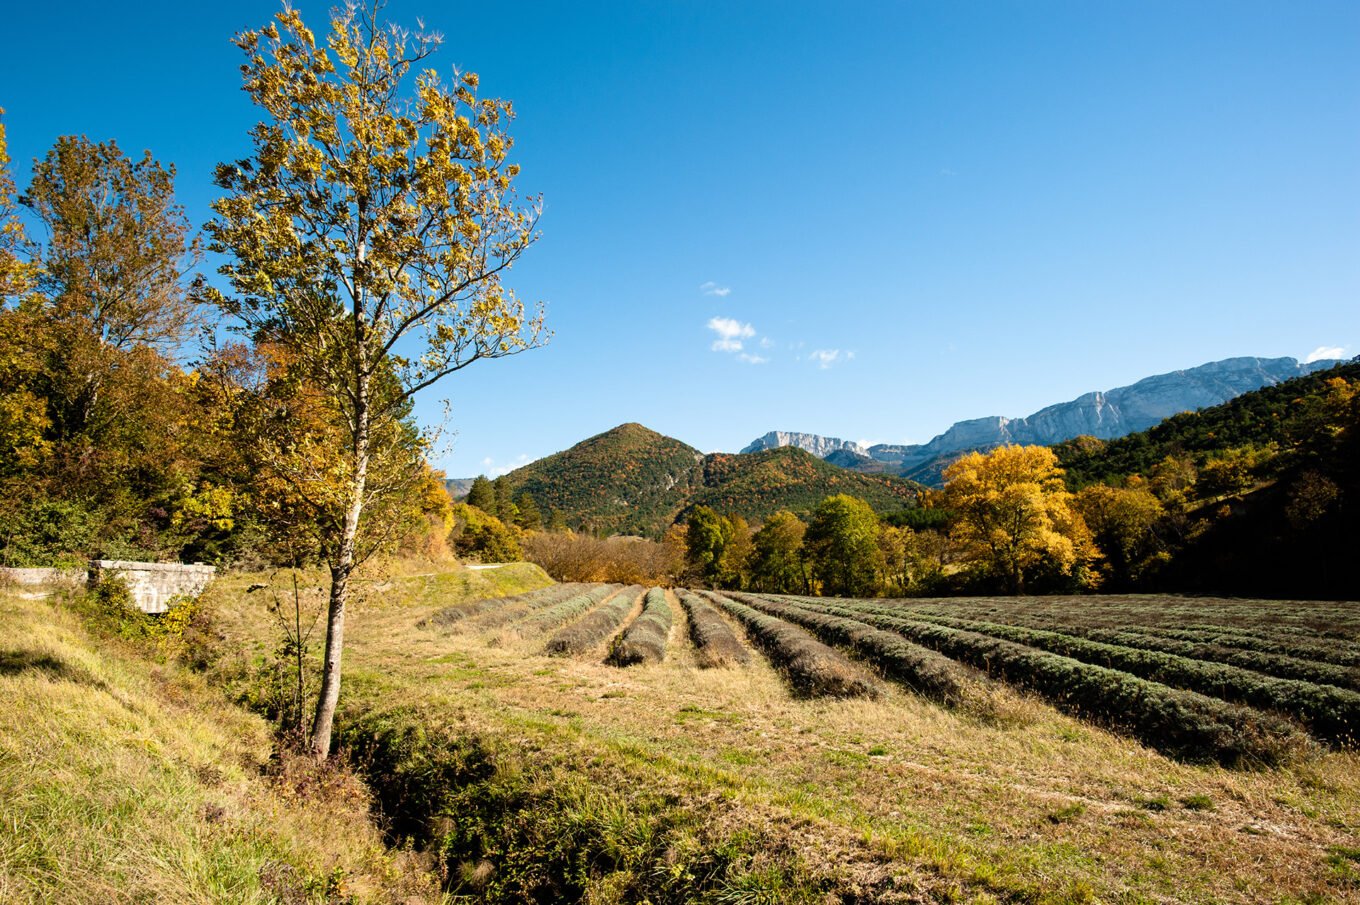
column 154, row 584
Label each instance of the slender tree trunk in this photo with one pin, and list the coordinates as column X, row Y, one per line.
column 341, row 569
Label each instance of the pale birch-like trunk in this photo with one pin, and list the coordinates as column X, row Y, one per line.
column 342, row 567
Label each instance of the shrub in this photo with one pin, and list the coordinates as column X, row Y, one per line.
column 714, row 639
column 595, row 627
column 1181, row 723
column 1333, row 714
column 919, row 668
column 570, row 608
column 812, row 668
column 504, row 608
column 644, row 641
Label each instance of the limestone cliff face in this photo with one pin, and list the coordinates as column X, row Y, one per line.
column 1105, row 415
column 820, row 447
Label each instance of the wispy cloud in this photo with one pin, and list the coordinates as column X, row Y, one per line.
column 493, row 470
column 712, row 288
column 1325, row 352
column 751, row 359
column 826, row 358
column 730, row 332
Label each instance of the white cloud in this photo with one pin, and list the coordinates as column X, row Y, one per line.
column 825, row 358
column 751, row 359
column 730, row 333
column 1325, row 352
column 492, row 470
column 766, row 342
column 712, row 288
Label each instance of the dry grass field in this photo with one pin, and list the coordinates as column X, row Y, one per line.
column 885, row 796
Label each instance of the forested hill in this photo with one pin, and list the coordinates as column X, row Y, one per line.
column 632, row 480
column 1286, row 416
column 1262, row 492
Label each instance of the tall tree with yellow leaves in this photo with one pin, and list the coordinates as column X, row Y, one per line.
column 1015, row 514
column 369, row 234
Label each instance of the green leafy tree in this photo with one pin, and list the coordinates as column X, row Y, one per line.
column 17, row 269
column 734, row 564
column 900, row 557
column 706, row 537
column 1123, row 522
column 483, row 537
column 777, row 564
column 842, row 546
column 506, row 509
column 112, row 270
column 529, row 517
column 368, row 236
column 482, row 494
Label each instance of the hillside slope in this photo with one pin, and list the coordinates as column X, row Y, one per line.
column 628, row 480
column 128, row 780
column 755, row 485
column 632, row 480
column 1272, row 494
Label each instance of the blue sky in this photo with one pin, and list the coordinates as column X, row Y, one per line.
column 860, row 220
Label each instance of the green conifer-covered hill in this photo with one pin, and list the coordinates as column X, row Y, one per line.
column 632, row 480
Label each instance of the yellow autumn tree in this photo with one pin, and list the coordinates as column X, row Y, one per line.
column 1016, row 517
column 368, row 235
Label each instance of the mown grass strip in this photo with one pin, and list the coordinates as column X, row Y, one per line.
column 644, row 641
column 812, row 668
column 921, row 669
column 593, row 628
column 1180, row 723
column 506, row 607
column 717, row 645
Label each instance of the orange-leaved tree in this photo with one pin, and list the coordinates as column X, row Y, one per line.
column 368, row 236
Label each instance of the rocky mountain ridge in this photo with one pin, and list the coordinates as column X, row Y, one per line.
column 1106, row 415
column 821, row 447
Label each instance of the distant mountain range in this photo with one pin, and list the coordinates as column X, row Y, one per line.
column 632, row 480
column 1104, row 415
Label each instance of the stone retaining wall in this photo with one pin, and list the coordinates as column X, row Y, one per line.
column 68, row 577
column 154, row 584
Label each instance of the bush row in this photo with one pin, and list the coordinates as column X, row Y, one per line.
column 570, row 608
column 1310, row 647
column 1180, row 723
column 1332, row 714
column 644, row 641
column 1278, row 665
column 1101, row 627
column 511, row 607
column 919, row 668
column 716, row 643
column 1308, row 619
column 812, row 668
column 593, row 628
